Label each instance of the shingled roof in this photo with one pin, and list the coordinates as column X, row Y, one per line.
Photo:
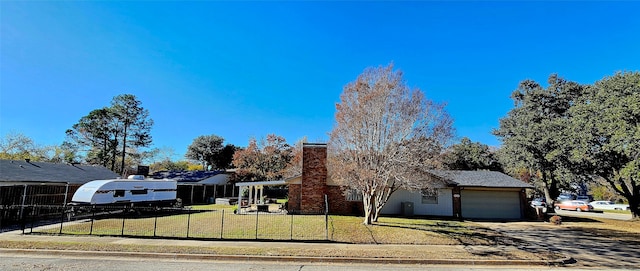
column 19, row 171
column 187, row 176
column 479, row 178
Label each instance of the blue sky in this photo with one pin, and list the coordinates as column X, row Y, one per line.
column 247, row 69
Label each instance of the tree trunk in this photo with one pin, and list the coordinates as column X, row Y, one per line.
column 367, row 216
column 554, row 191
column 376, row 214
column 124, row 147
column 105, row 153
column 547, row 195
column 367, row 201
column 380, row 200
column 633, row 205
column 114, row 155
column 631, row 194
column 635, row 199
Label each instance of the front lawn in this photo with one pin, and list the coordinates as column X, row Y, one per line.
column 219, row 222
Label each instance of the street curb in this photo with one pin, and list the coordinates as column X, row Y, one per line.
column 261, row 258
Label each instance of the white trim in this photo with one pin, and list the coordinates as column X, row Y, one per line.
column 281, row 182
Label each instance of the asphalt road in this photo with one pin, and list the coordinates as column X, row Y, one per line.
column 594, row 214
column 13, row 262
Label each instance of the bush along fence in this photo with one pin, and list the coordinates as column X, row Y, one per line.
column 151, row 222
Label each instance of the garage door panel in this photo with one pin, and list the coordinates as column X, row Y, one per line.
column 490, row 204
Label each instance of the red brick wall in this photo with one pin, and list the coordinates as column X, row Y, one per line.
column 308, row 197
column 338, row 203
column 294, row 198
column 314, row 178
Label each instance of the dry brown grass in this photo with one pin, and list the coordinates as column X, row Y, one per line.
column 391, row 230
column 445, row 234
column 406, row 252
column 620, row 230
column 452, row 239
column 628, row 226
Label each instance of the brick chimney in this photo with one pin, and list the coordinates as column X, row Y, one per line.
column 314, row 178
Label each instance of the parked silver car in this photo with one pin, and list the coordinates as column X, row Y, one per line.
column 608, row 205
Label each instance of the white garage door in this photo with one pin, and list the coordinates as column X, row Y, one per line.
column 490, row 204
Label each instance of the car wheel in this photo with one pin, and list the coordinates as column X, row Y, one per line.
column 578, row 210
column 557, row 207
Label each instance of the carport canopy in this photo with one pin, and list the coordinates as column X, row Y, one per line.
column 255, row 190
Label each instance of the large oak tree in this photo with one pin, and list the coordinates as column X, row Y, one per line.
column 468, row 155
column 534, row 135
column 605, row 130
column 386, row 136
column 568, row 132
column 211, row 152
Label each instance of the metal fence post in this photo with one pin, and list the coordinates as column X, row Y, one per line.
column 188, row 221
column 257, row 212
column 222, row 225
column 326, row 226
column 33, row 217
column 124, row 216
column 93, row 216
column 291, row 226
column 23, row 223
column 155, row 224
column 326, row 217
column 62, row 219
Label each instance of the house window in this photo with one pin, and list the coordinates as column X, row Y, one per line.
column 430, row 197
column 354, row 195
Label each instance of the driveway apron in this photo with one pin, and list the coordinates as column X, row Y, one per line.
column 588, row 248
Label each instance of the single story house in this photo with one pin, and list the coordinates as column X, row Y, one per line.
column 463, row 194
column 43, row 183
column 466, row 194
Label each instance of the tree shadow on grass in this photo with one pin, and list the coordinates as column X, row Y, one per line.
column 464, row 235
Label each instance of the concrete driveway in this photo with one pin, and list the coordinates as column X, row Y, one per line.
column 602, row 249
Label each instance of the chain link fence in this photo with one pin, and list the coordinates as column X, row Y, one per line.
column 185, row 223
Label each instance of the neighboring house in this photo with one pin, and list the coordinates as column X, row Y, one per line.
column 195, row 187
column 41, row 183
column 463, row 194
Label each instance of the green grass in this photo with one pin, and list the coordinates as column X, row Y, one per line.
column 203, row 221
column 394, row 230
column 220, row 222
column 617, row 211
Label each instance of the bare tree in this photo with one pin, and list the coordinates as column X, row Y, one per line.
column 294, row 167
column 386, row 137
